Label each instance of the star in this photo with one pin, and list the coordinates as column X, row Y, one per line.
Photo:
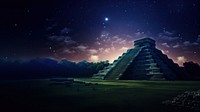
column 106, row 19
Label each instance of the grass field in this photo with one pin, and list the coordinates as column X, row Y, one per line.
column 100, row 96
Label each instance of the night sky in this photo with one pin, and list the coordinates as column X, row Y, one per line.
column 96, row 30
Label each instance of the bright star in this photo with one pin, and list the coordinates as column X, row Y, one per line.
column 106, row 19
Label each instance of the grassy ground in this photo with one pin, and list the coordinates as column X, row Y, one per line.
column 118, row 96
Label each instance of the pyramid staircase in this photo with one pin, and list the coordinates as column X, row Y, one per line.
column 143, row 62
column 143, row 68
column 114, row 70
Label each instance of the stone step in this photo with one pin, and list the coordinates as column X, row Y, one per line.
column 122, row 64
column 153, row 68
column 152, row 65
column 143, row 57
column 149, row 56
column 154, row 73
column 143, row 62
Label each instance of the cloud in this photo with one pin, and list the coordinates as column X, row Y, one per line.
column 106, row 40
column 118, row 41
column 168, row 38
column 115, row 37
column 113, row 48
column 124, row 49
column 188, row 43
column 101, row 49
column 176, row 46
column 104, row 34
column 69, row 51
column 198, row 39
column 107, row 50
column 123, row 42
column 139, row 34
column 195, row 43
column 65, row 30
column 64, row 40
column 168, row 33
column 97, row 43
column 181, row 59
column 165, row 51
column 94, row 58
column 93, row 51
column 165, row 44
column 81, row 47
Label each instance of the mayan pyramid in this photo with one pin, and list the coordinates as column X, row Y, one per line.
column 143, row 62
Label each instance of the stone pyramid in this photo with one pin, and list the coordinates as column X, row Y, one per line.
column 143, row 62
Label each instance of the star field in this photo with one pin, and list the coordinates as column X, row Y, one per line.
column 97, row 30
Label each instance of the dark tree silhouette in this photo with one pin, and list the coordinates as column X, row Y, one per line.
column 193, row 69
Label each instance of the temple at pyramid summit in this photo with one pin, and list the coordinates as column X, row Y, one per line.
column 143, row 62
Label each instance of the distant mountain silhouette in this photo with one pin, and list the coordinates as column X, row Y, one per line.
column 47, row 68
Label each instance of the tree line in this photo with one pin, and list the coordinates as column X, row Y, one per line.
column 48, row 68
